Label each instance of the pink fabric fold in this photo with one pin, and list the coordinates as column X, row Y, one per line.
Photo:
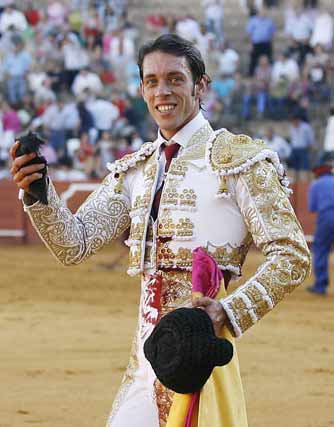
column 206, row 278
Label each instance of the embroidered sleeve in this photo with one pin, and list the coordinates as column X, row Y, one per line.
column 74, row 237
column 276, row 231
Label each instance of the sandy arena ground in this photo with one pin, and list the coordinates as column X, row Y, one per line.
column 65, row 336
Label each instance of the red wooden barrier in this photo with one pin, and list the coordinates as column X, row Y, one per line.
column 12, row 216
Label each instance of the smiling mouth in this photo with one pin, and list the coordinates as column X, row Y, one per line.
column 165, row 108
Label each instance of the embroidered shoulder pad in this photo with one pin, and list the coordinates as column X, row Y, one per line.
column 131, row 160
column 229, row 154
column 228, row 151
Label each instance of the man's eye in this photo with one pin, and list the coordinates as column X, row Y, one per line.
column 150, row 82
column 176, row 80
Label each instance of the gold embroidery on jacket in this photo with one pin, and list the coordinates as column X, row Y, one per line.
column 276, row 231
column 134, row 256
column 164, row 399
column 229, row 151
column 183, row 228
column 183, row 199
column 178, row 168
column 142, row 201
column 137, row 230
column 176, row 290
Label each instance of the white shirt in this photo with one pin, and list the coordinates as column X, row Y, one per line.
column 302, row 28
column 75, row 57
column 323, row 30
column 115, row 46
column 89, row 81
column 288, row 68
column 188, row 29
column 104, row 113
column 280, row 146
column 329, row 136
column 214, row 9
column 15, row 18
column 228, row 61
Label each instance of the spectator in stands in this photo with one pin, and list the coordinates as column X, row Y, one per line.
column 278, row 144
column 214, row 17
column 188, row 28
column 298, row 91
column 10, row 118
column 302, row 141
column 260, row 30
column 317, row 65
column 323, row 30
column 205, row 42
column 228, row 59
column 259, row 91
column 6, row 140
column 106, row 151
column 224, row 87
column 92, row 25
column 15, row 67
column 104, row 114
column 301, row 30
column 59, row 120
column 329, row 135
column 136, row 112
column 321, row 201
column 75, row 58
column 32, row 14
column 86, row 124
column 12, row 19
column 121, row 49
column 56, row 13
column 285, row 71
column 86, row 79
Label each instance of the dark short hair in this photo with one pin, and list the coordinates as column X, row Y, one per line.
column 177, row 46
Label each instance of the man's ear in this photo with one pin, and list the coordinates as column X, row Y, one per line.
column 201, row 87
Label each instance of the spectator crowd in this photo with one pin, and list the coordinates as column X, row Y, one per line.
column 68, row 70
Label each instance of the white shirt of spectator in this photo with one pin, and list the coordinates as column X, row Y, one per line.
column 213, row 9
column 56, row 118
column 288, row 68
column 85, row 81
column 329, row 136
column 203, row 44
column 115, row 54
column 104, row 113
column 228, row 61
column 75, row 57
column 280, row 146
column 15, row 18
column 36, row 80
column 301, row 27
column 6, row 141
column 56, row 13
column 188, row 28
column 323, row 30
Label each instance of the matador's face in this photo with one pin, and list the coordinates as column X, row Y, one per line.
column 169, row 91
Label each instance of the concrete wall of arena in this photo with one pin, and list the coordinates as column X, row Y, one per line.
column 14, row 222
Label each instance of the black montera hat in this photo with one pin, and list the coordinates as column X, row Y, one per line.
column 183, row 350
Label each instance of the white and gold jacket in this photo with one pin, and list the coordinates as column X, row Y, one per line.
column 221, row 193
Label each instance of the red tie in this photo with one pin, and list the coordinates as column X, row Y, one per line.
column 170, row 152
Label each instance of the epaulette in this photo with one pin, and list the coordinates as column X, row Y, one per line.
column 228, row 154
column 130, row 160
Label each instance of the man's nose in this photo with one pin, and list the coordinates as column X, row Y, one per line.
column 163, row 89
